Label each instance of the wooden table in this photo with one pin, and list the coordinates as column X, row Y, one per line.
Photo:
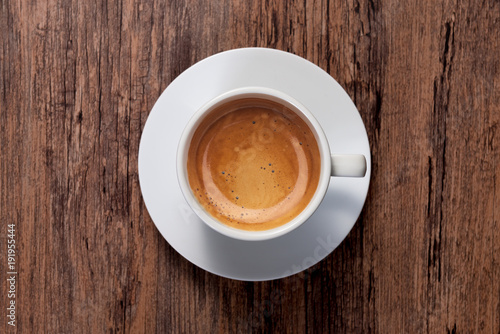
column 78, row 80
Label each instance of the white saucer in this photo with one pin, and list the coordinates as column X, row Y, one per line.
column 184, row 231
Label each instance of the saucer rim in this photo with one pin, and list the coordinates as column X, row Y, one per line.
column 194, row 68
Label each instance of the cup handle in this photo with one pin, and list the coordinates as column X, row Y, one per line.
column 350, row 165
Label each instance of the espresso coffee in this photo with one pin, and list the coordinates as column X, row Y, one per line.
column 253, row 164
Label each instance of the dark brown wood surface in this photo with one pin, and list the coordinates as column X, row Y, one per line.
column 78, row 80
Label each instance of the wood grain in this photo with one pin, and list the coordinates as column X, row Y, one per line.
column 78, row 80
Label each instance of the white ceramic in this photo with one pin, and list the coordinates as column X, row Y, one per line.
column 225, row 256
column 351, row 165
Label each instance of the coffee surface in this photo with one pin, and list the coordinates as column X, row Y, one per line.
column 253, row 164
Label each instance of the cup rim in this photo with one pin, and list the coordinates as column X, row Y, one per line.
column 272, row 95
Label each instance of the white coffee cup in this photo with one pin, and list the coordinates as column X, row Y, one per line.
column 337, row 165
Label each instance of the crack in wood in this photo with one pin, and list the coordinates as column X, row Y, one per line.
column 377, row 118
column 429, row 175
column 453, row 330
column 436, row 195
